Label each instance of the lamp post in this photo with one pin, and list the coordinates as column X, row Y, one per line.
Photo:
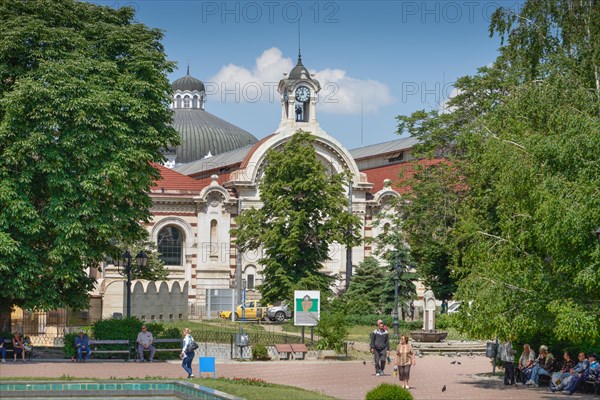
column 396, row 277
column 141, row 259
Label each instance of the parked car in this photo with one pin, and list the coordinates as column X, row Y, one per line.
column 279, row 313
column 252, row 310
column 454, row 308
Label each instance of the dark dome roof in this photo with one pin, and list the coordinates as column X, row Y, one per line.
column 202, row 132
column 298, row 70
column 188, row 82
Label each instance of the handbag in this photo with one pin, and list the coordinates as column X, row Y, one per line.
column 192, row 345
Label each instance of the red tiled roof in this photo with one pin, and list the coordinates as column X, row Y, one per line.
column 224, row 177
column 172, row 180
column 397, row 173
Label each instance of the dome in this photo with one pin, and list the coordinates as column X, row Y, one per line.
column 202, row 132
column 189, row 83
column 298, row 70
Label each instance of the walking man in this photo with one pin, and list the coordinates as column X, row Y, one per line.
column 380, row 347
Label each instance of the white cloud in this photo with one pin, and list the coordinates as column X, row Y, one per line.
column 340, row 94
column 444, row 107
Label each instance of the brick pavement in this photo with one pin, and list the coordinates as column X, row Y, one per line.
column 341, row 379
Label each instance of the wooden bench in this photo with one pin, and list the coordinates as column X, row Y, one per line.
column 299, row 348
column 158, row 349
column 94, row 343
column 284, row 351
column 9, row 349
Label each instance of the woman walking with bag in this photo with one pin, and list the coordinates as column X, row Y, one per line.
column 187, row 354
column 404, row 359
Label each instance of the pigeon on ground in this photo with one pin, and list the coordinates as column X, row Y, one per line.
column 444, row 388
column 453, row 362
column 364, row 362
column 458, row 362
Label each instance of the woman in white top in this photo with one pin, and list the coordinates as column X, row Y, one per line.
column 186, row 353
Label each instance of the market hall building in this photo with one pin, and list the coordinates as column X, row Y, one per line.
column 214, row 174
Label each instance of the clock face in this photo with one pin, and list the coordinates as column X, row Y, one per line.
column 302, row 94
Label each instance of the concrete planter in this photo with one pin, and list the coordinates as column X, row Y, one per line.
column 327, row 354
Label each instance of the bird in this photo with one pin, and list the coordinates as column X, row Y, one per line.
column 453, row 362
column 364, row 362
column 458, row 362
column 444, row 388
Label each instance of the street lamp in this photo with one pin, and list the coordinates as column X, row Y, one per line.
column 396, row 277
column 141, row 259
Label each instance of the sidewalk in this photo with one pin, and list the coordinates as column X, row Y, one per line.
column 341, row 379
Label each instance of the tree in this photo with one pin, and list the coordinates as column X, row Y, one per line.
column 526, row 148
column 83, row 115
column 367, row 293
column 429, row 212
column 304, row 211
column 392, row 246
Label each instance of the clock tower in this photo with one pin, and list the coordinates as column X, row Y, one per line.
column 298, row 92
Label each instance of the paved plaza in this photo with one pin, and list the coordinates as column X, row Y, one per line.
column 340, row 379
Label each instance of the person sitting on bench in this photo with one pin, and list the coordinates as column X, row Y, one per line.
column 82, row 343
column 17, row 342
column 144, row 341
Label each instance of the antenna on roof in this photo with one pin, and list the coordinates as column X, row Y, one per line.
column 299, row 54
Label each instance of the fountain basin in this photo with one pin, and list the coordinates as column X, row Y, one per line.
column 428, row 336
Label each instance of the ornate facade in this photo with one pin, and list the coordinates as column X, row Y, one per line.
column 195, row 205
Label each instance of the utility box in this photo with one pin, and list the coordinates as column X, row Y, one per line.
column 491, row 349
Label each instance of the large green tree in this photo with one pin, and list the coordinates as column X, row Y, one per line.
column 523, row 136
column 83, row 114
column 304, row 211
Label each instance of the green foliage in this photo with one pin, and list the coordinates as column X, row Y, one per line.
column 304, row 211
column 430, row 211
column 260, row 352
column 444, row 321
column 115, row 329
column 367, row 292
column 386, row 391
column 332, row 330
column 391, row 246
column 69, row 344
column 83, row 115
column 523, row 137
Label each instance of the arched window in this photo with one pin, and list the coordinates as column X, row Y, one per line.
column 178, row 101
column 195, row 102
column 186, row 102
column 170, row 245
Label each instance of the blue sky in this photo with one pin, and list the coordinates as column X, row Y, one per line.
column 397, row 56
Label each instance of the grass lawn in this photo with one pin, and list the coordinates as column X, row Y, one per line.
column 250, row 389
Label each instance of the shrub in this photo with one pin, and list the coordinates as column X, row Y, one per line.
column 333, row 330
column 69, row 345
column 443, row 321
column 385, row 391
column 260, row 352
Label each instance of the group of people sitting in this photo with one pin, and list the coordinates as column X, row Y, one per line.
column 566, row 376
column 144, row 342
column 20, row 345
